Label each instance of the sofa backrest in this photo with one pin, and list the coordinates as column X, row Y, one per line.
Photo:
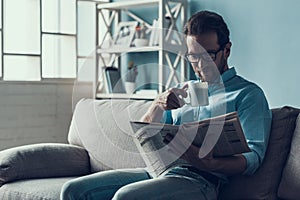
column 264, row 183
column 289, row 186
column 102, row 128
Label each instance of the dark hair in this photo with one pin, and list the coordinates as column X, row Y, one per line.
column 205, row 22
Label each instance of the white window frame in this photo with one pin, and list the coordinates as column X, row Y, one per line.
column 13, row 52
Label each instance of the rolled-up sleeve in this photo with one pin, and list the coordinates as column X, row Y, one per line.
column 255, row 117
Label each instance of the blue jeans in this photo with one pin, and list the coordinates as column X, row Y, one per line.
column 129, row 184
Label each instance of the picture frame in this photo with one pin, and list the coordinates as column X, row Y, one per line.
column 125, row 33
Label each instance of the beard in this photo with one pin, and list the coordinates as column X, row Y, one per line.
column 211, row 72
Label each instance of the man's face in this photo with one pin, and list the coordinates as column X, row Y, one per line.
column 208, row 57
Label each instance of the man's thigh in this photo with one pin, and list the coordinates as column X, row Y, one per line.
column 101, row 185
column 170, row 187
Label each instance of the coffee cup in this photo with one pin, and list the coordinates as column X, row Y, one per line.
column 197, row 94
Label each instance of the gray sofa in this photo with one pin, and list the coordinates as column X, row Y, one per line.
column 99, row 139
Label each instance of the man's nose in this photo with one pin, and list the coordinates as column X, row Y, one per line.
column 200, row 65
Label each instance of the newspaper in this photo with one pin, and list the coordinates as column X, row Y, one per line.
column 223, row 134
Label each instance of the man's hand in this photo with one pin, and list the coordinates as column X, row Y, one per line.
column 172, row 98
column 168, row 100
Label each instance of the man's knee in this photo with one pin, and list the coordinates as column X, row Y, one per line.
column 69, row 191
column 128, row 193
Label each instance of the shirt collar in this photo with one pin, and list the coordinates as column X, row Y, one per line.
column 228, row 74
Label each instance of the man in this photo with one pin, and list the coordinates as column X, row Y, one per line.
column 208, row 44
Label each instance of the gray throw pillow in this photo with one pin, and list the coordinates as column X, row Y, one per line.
column 290, row 182
column 264, row 183
column 42, row 161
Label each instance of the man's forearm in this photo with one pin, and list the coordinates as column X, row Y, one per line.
column 228, row 165
column 154, row 114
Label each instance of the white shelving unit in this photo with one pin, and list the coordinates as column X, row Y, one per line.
column 170, row 47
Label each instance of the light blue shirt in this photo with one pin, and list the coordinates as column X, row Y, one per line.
column 235, row 94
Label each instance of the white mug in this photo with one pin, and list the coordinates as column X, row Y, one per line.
column 197, row 94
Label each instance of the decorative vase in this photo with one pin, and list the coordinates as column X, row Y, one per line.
column 129, row 87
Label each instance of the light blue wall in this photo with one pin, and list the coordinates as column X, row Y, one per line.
column 266, row 43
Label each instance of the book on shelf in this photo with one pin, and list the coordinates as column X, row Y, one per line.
column 223, row 135
column 114, row 81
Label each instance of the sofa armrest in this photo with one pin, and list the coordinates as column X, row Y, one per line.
column 43, row 160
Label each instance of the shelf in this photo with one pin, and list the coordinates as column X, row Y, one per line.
column 95, row 1
column 125, row 96
column 127, row 4
column 175, row 48
column 169, row 51
column 122, row 49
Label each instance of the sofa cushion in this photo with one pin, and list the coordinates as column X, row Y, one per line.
column 42, row 161
column 102, row 127
column 290, row 182
column 264, row 183
column 33, row 189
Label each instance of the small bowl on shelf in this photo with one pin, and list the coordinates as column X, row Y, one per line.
column 141, row 42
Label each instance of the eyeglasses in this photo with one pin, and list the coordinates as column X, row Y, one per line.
column 206, row 56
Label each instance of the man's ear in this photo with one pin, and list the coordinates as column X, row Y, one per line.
column 227, row 50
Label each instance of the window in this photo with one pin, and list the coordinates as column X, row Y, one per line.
column 39, row 39
column 46, row 39
column 86, row 37
column 86, row 29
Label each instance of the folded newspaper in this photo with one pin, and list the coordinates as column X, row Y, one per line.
column 222, row 134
